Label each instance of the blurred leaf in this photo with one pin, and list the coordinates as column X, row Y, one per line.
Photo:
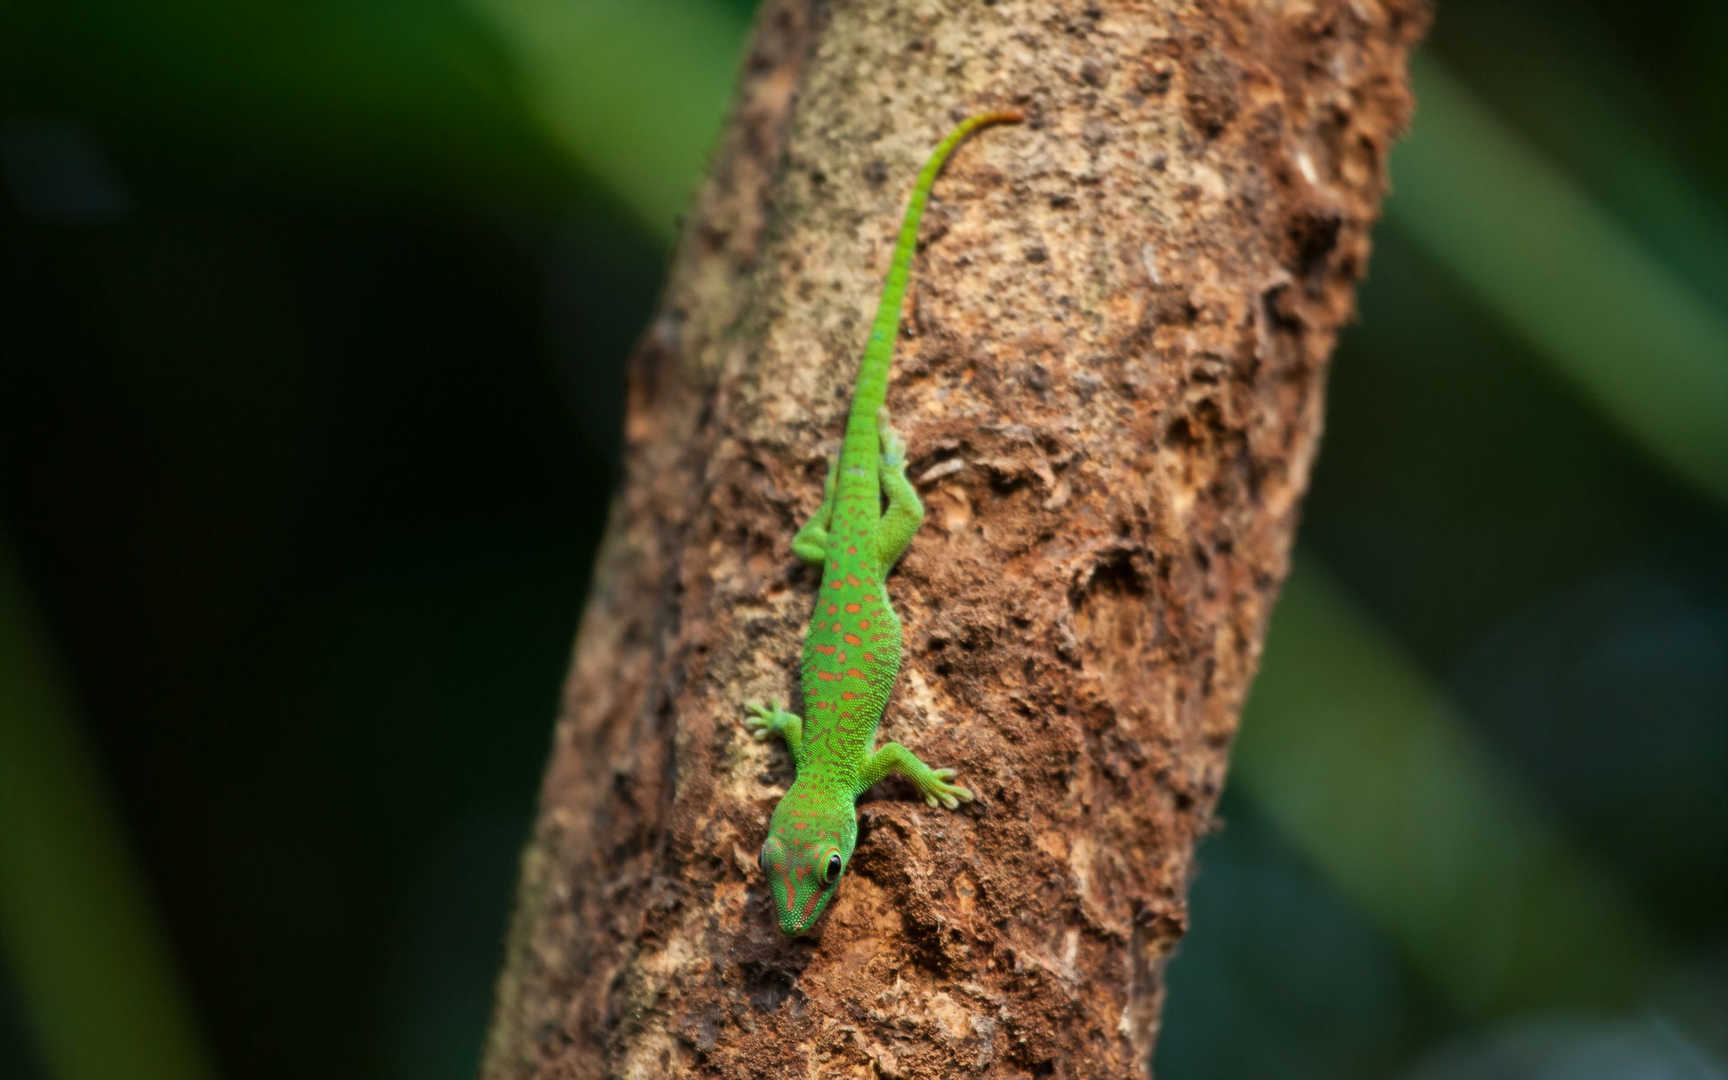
column 635, row 90
column 1247, row 996
column 411, row 97
column 1573, row 1049
column 1616, row 323
column 78, row 933
column 1368, row 771
column 1640, row 155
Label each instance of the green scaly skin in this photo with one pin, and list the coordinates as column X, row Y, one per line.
column 852, row 650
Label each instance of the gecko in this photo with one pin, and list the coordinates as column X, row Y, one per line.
column 852, row 648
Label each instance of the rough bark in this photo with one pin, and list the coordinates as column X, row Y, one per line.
column 1110, row 377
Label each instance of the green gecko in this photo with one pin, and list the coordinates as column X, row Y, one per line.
column 852, row 649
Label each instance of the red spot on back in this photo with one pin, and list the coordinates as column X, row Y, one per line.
column 847, row 695
column 851, row 639
column 836, row 584
column 869, row 658
column 868, row 596
column 852, row 549
column 833, row 609
column 854, row 608
column 854, row 673
column 826, row 676
column 863, row 624
column 852, row 580
column 829, row 649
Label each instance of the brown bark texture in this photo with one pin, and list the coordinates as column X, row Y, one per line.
column 1110, row 378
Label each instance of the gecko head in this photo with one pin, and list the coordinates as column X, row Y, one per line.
column 804, row 859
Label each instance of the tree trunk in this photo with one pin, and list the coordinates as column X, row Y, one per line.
column 1110, row 377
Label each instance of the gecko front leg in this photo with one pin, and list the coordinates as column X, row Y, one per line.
column 934, row 784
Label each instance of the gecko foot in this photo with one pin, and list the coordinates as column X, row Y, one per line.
column 770, row 719
column 893, row 443
column 941, row 792
column 761, row 719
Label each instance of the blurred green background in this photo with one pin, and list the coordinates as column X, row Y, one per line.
column 309, row 394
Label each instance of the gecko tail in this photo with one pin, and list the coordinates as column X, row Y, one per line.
column 872, row 386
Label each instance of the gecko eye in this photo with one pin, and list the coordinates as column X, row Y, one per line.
column 833, row 873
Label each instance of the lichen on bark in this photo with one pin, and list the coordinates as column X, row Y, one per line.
column 1110, row 378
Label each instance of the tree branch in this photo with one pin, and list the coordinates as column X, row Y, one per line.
column 1110, row 379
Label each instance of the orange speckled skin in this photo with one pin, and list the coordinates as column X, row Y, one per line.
column 852, row 649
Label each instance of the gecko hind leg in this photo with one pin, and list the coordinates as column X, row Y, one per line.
column 905, row 511
column 770, row 719
column 934, row 784
column 811, row 542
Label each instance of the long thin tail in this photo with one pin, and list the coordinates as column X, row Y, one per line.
column 872, row 387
